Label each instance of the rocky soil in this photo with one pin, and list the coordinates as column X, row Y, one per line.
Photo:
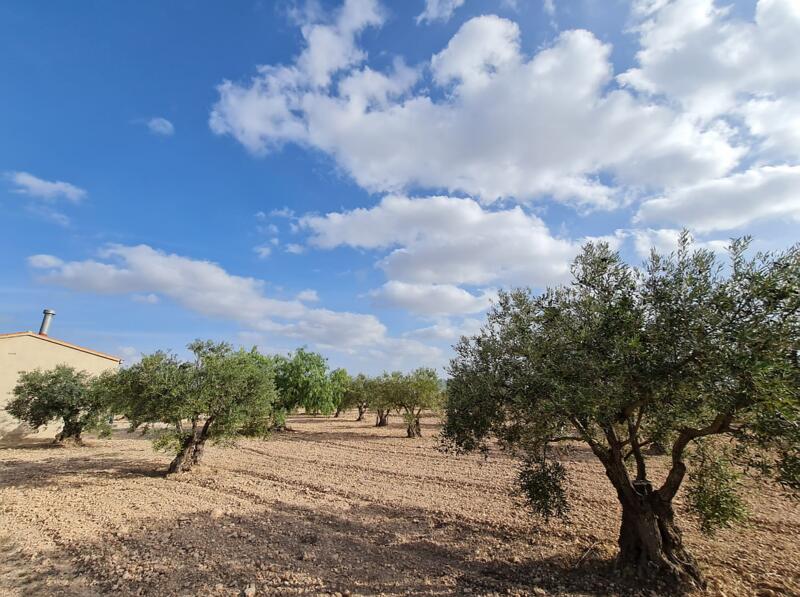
column 336, row 507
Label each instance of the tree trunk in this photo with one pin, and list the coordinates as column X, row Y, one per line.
column 192, row 448
column 361, row 411
column 650, row 542
column 382, row 419
column 70, row 432
column 413, row 428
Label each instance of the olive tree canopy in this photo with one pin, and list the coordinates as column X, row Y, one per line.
column 220, row 395
column 677, row 352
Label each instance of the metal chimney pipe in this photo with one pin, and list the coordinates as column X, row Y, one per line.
column 48, row 317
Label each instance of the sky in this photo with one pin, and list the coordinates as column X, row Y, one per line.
column 361, row 177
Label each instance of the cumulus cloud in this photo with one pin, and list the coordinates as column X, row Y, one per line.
column 39, row 188
column 761, row 193
column 262, row 251
column 308, row 296
column 666, row 240
column 161, row 126
column 207, row 289
column 715, row 65
column 147, row 299
column 431, row 299
column 492, row 121
column 44, row 261
column 447, row 240
column 448, row 331
column 438, row 10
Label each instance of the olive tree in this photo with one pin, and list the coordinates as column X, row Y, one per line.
column 684, row 349
column 356, row 395
column 302, row 380
column 60, row 394
column 419, row 390
column 220, row 395
column 339, row 381
column 384, row 393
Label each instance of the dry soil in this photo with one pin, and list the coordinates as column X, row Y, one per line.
column 336, row 507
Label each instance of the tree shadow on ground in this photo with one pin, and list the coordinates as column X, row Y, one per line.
column 303, row 551
column 87, row 468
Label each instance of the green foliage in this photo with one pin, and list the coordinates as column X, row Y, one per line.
column 302, row 381
column 221, row 395
column 62, row 393
column 711, row 490
column 544, row 485
column 356, row 394
column 684, row 348
column 339, row 381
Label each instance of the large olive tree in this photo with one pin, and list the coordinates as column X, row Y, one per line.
column 218, row 396
column 64, row 395
column 679, row 352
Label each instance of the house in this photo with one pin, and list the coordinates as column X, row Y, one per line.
column 26, row 351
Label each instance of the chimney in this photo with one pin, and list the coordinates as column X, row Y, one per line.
column 48, row 317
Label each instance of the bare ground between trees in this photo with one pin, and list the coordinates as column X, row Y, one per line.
column 336, row 506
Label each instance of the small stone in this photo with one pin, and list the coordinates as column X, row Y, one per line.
column 250, row 591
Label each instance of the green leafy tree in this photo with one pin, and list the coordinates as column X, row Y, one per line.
column 420, row 390
column 685, row 348
column 384, row 395
column 340, row 382
column 221, row 395
column 302, row 381
column 356, row 395
column 60, row 394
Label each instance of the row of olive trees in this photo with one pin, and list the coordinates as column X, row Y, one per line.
column 221, row 394
column 407, row 394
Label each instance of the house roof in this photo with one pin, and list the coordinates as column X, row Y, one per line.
column 62, row 343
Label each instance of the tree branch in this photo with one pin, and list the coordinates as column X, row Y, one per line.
column 720, row 424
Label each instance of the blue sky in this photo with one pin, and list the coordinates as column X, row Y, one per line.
column 360, row 177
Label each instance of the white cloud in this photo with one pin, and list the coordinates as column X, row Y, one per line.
column 761, row 193
column 206, row 288
column 308, row 296
column 431, row 299
column 507, row 124
column 438, row 10
column 44, row 261
column 446, row 330
column 130, row 355
column 666, row 240
column 263, row 251
column 147, row 299
column 549, row 7
column 161, row 126
column 715, row 65
column 38, row 188
column 446, row 240
column 295, row 249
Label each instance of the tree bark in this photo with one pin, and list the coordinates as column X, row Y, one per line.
column 70, row 432
column 651, row 544
column 361, row 410
column 382, row 419
column 192, row 448
column 414, row 429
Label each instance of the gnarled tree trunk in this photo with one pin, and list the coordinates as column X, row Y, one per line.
column 413, row 427
column 382, row 418
column 361, row 410
column 650, row 542
column 71, row 432
column 192, row 448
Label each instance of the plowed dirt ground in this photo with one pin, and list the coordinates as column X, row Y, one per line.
column 336, row 506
